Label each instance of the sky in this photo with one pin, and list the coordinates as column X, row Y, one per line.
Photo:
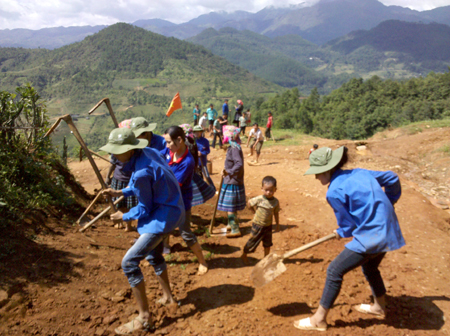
column 33, row 14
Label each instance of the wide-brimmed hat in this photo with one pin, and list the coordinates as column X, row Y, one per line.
column 324, row 159
column 122, row 140
column 197, row 128
column 139, row 125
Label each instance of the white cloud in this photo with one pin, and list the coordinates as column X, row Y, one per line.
column 34, row 14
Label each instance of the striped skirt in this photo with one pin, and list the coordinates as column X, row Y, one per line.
column 201, row 190
column 232, row 198
column 128, row 202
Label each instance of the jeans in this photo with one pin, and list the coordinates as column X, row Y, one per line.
column 185, row 230
column 346, row 261
column 150, row 247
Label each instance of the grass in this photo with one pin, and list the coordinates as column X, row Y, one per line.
column 444, row 149
column 287, row 137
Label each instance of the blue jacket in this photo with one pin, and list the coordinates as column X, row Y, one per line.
column 183, row 169
column 203, row 147
column 158, row 142
column 225, row 110
column 211, row 113
column 160, row 208
column 364, row 211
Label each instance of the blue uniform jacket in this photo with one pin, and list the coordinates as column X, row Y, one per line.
column 203, row 147
column 364, row 211
column 225, row 109
column 160, row 208
column 183, row 169
column 158, row 142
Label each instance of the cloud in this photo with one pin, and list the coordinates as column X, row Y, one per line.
column 34, row 14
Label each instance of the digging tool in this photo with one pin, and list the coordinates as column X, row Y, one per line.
column 108, row 105
column 89, row 207
column 272, row 266
column 223, row 231
column 98, row 155
column 100, row 215
column 68, row 119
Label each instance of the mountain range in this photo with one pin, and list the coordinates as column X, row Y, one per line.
column 324, row 21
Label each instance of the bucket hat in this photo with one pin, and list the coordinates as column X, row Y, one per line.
column 324, row 159
column 197, row 128
column 122, row 140
column 139, row 125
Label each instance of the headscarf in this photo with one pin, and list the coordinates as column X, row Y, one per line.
column 187, row 130
column 232, row 137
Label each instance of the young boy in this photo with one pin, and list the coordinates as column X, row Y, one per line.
column 202, row 145
column 265, row 208
column 255, row 141
column 269, row 125
column 313, row 149
column 204, row 121
column 243, row 124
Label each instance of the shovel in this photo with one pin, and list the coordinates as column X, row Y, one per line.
column 220, row 232
column 272, row 266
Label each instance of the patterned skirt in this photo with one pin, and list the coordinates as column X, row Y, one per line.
column 128, row 202
column 232, row 198
column 201, row 190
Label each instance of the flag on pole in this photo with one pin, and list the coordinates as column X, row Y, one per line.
column 174, row 105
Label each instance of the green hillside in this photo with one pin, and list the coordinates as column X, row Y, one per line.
column 138, row 70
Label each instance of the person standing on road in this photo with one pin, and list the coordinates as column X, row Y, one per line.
column 269, row 125
column 255, row 141
column 225, row 109
column 232, row 193
column 217, row 132
column 212, row 115
column 159, row 211
column 204, row 121
column 365, row 212
column 239, row 110
column 182, row 163
column 196, row 113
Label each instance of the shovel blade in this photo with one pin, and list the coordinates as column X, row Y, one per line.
column 219, row 232
column 267, row 269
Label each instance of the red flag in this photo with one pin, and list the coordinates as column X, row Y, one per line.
column 174, row 105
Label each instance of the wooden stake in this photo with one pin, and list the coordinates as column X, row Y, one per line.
column 88, row 225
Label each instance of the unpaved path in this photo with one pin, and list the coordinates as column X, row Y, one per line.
column 75, row 285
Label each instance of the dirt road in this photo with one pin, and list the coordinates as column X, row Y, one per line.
column 72, row 284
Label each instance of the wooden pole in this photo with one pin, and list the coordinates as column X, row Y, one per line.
column 100, row 215
column 89, row 207
column 108, row 105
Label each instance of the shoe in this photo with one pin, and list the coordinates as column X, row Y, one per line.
column 233, row 235
column 365, row 309
column 134, row 325
column 305, row 324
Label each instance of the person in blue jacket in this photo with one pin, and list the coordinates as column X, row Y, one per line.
column 143, row 130
column 225, row 109
column 202, row 144
column 365, row 212
column 182, row 163
column 160, row 210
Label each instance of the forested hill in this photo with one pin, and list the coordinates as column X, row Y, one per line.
column 138, row 70
column 421, row 41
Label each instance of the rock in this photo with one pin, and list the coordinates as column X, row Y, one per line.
column 361, row 148
column 110, row 319
column 308, row 272
column 124, row 293
column 297, row 262
column 85, row 317
column 117, row 299
column 3, row 298
column 162, row 332
column 100, row 332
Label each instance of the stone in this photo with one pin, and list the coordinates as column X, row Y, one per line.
column 110, row 319
column 3, row 298
column 117, row 299
column 361, row 148
column 308, row 272
column 85, row 317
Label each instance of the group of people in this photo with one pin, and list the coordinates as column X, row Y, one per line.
column 161, row 182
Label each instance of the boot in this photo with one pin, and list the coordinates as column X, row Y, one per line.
column 235, row 232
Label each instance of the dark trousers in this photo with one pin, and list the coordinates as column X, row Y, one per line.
column 346, row 261
column 195, row 122
column 267, row 134
column 217, row 135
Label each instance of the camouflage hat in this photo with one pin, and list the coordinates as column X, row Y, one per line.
column 122, row 140
column 324, row 159
column 139, row 125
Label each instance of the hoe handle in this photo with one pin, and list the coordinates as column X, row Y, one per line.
column 307, row 246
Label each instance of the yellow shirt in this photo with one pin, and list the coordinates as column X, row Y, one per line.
column 265, row 209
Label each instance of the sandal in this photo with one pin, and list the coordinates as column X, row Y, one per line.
column 305, row 324
column 365, row 309
column 132, row 326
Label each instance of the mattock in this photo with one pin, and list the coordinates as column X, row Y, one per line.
column 68, row 119
column 108, row 105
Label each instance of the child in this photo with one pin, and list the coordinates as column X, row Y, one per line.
column 196, row 113
column 217, row 132
column 255, row 141
column 243, row 124
column 212, row 115
column 232, row 193
column 265, row 207
column 269, row 125
column 365, row 212
column 202, row 144
column 313, row 149
column 204, row 121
